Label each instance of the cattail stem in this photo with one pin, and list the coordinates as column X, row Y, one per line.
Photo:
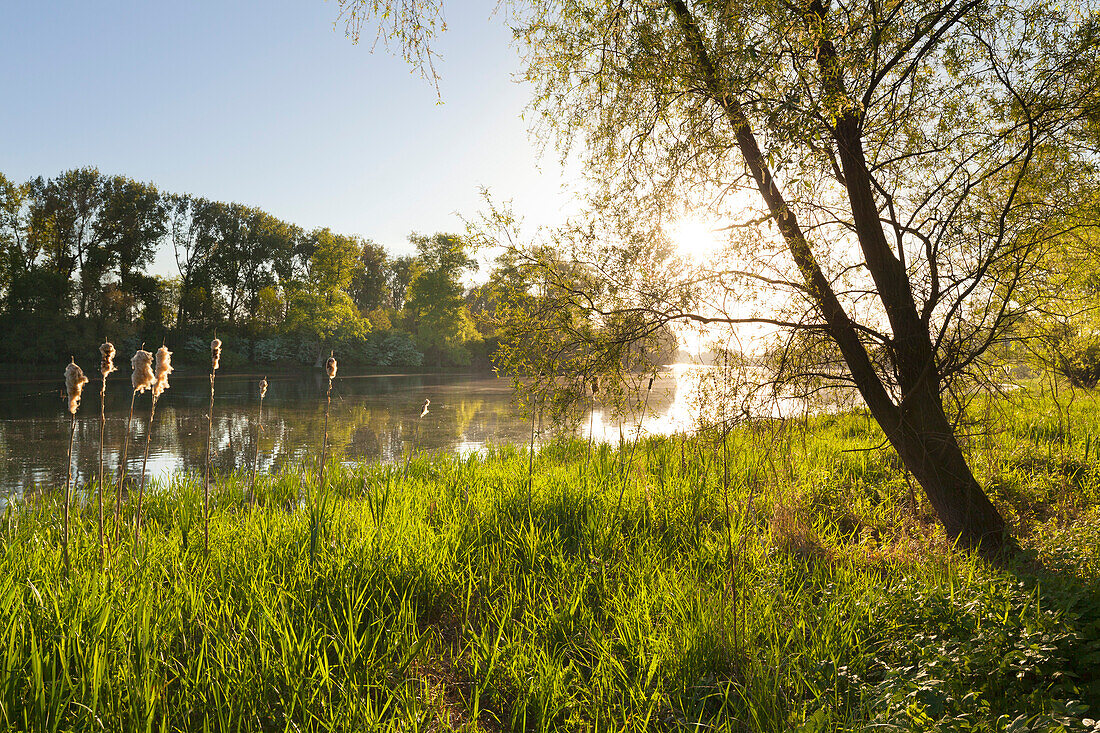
column 416, row 437
column 256, row 459
column 324, row 443
column 144, row 464
column 412, row 450
column 206, row 481
column 122, row 466
column 102, row 429
column 106, row 366
column 68, row 484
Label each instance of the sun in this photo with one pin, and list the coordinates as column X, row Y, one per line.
column 695, row 237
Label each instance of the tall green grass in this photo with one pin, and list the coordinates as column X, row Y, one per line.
column 783, row 578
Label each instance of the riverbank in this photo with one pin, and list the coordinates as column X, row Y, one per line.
column 788, row 578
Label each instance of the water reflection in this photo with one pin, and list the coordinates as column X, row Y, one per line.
column 374, row 417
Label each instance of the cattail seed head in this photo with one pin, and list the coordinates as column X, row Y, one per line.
column 164, row 368
column 143, row 376
column 263, row 387
column 330, row 367
column 215, row 354
column 107, row 358
column 74, row 385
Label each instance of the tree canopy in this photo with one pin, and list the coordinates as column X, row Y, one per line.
column 76, row 261
column 884, row 169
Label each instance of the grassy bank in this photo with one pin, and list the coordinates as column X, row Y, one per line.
column 786, row 578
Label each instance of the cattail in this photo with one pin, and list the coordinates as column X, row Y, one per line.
column 164, row 368
column 330, row 369
column 215, row 360
column 74, row 385
column 159, row 384
column 259, row 429
column 107, row 358
column 143, row 377
column 106, row 366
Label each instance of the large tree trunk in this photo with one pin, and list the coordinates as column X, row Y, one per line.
column 923, row 437
column 918, row 429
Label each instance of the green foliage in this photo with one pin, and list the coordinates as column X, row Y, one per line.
column 793, row 588
column 75, row 250
column 324, row 316
column 1062, row 331
column 436, row 308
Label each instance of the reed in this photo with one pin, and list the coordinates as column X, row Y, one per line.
column 416, row 436
column 259, row 431
column 215, row 360
column 330, row 370
column 106, row 366
column 141, row 380
column 160, row 383
column 74, row 386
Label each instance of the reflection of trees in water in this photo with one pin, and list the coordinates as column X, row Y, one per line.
column 374, row 418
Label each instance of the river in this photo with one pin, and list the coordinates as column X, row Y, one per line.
column 372, row 417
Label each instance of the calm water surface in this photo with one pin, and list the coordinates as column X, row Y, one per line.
column 373, row 417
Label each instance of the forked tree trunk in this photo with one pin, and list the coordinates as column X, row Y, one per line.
column 917, row 426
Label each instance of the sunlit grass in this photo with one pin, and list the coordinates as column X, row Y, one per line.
column 788, row 580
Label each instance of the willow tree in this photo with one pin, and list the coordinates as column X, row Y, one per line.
column 876, row 162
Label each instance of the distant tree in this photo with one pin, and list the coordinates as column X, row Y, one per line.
column 442, row 324
column 270, row 308
column 190, row 224
column 1062, row 329
column 289, row 259
column 370, row 286
column 334, row 261
column 400, row 274
column 324, row 318
column 267, row 236
column 63, row 216
column 319, row 306
column 17, row 252
column 230, row 253
column 132, row 221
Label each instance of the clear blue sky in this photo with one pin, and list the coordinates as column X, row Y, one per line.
column 268, row 104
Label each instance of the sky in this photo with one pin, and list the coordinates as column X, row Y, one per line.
column 270, row 105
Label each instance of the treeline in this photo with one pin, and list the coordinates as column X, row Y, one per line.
column 76, row 250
